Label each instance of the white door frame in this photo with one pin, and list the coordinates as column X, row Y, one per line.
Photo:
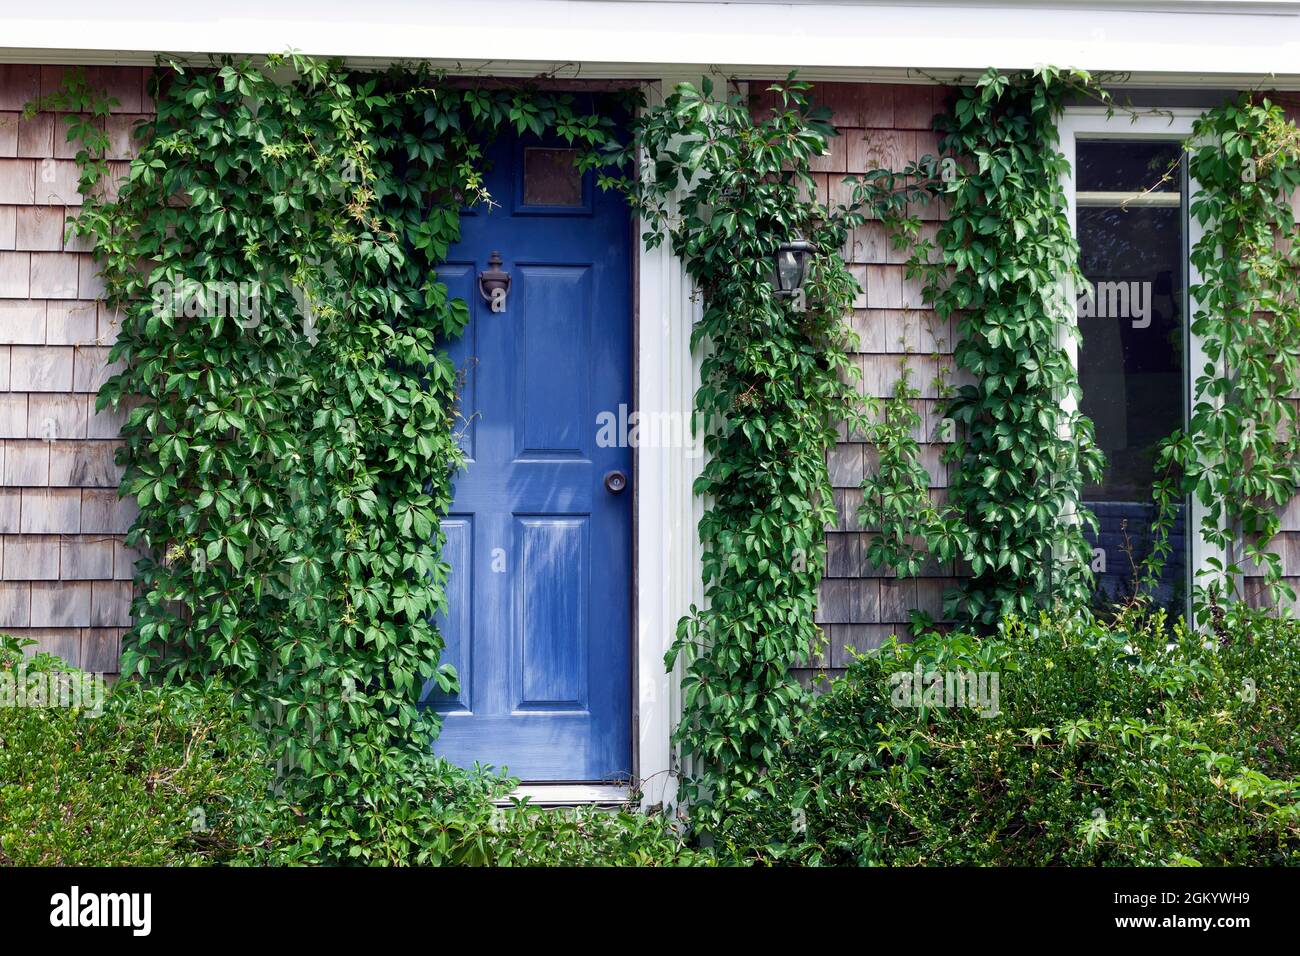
column 1172, row 124
column 668, row 553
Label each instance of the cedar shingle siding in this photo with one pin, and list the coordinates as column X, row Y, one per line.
column 881, row 126
column 65, row 577
column 1287, row 543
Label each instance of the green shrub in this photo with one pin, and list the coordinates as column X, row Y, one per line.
column 1111, row 745
column 528, row 836
column 175, row 775
column 159, row 777
column 428, row 812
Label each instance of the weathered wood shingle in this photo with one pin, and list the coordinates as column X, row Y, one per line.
column 66, row 575
column 880, row 125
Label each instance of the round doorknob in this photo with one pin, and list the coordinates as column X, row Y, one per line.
column 615, row 482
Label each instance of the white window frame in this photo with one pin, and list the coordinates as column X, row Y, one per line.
column 1170, row 124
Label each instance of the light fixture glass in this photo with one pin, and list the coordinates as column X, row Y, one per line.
column 790, row 265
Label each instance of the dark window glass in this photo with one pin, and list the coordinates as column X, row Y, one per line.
column 1128, row 165
column 1132, row 365
column 551, row 178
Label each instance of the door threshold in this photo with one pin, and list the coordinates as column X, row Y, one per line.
column 570, row 794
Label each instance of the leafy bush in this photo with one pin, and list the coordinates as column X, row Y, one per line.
column 1111, row 745
column 170, row 776
column 522, row 835
column 1105, row 744
column 175, row 775
column 427, row 812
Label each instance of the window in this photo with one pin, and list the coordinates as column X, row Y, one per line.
column 551, row 177
column 1128, row 195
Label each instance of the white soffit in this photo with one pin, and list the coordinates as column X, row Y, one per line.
column 1181, row 43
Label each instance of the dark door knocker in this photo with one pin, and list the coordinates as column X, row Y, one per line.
column 494, row 283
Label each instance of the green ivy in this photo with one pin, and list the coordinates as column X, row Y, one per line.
column 1008, row 262
column 1239, row 455
column 291, row 439
column 906, row 525
column 776, row 379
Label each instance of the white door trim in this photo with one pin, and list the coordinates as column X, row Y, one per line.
column 1175, row 124
column 668, row 563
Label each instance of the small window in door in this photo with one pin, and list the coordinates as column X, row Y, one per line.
column 1132, row 224
column 552, row 177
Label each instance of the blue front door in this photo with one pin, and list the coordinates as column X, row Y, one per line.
column 539, row 538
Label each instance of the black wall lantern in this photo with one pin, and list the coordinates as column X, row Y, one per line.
column 790, row 265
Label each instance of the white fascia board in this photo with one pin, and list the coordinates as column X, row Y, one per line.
column 1177, row 44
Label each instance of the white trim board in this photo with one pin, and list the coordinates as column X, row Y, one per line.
column 668, row 560
column 569, row 794
column 1180, row 44
column 1175, row 124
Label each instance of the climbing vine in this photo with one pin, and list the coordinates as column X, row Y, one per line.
column 291, row 439
column 1239, row 455
column 1006, row 267
column 775, row 380
column 897, row 507
column 907, row 527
